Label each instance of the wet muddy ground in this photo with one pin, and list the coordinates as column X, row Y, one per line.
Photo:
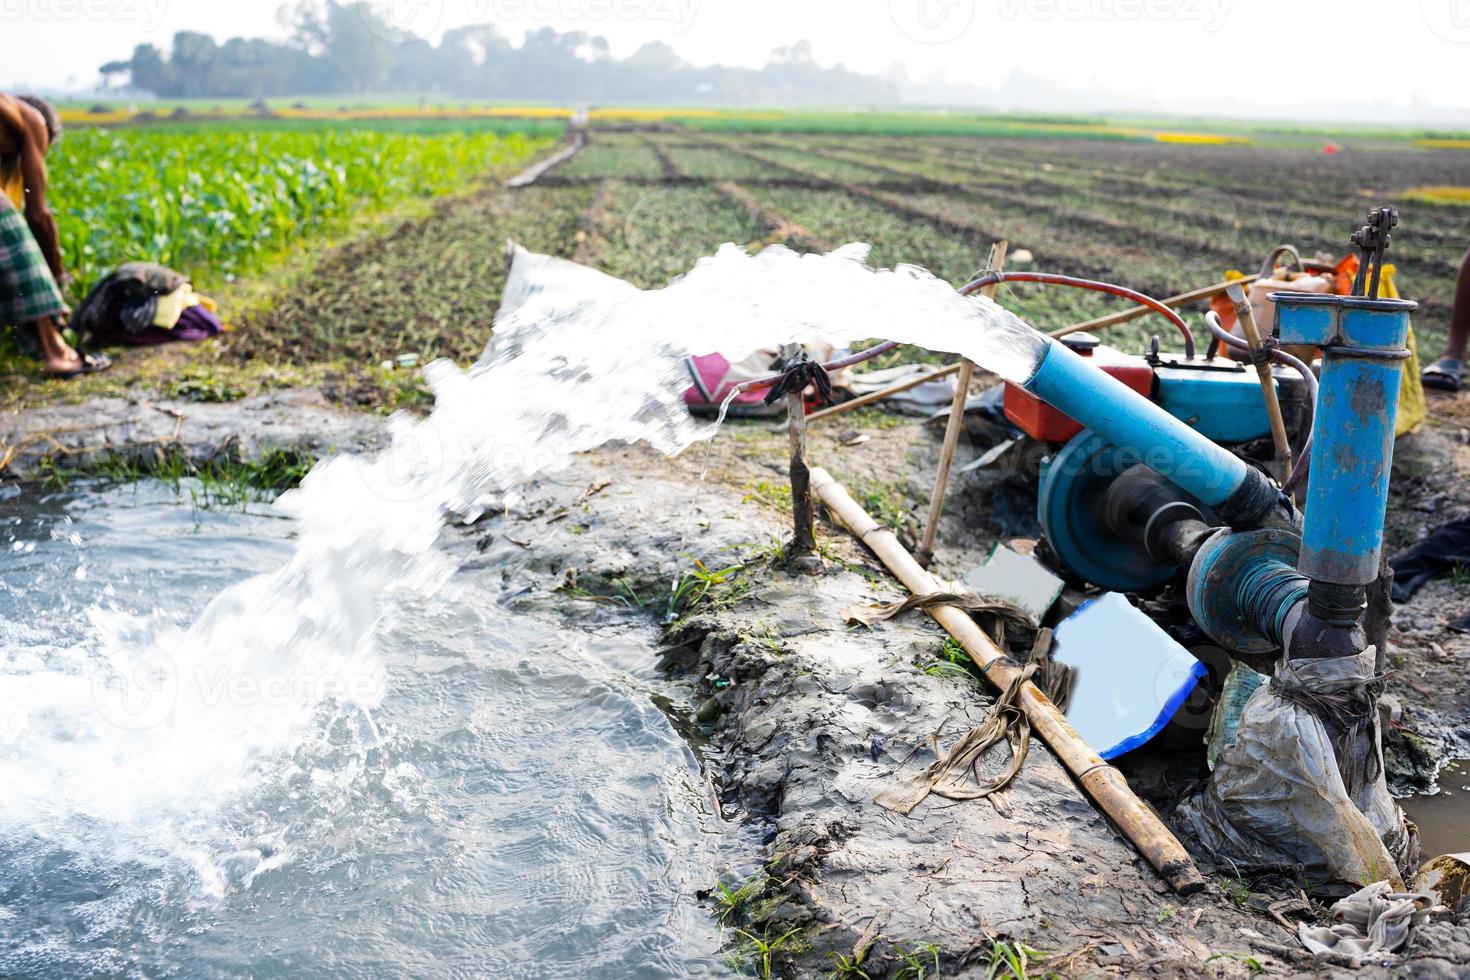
column 804, row 719
column 808, row 719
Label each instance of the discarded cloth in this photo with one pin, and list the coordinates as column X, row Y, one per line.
column 923, row 399
column 172, row 306
column 126, row 300
column 1372, row 922
column 1280, row 794
column 195, row 323
column 1446, row 548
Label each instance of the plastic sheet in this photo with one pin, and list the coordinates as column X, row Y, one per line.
column 1279, row 795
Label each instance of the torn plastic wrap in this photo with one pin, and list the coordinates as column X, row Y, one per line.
column 1279, row 797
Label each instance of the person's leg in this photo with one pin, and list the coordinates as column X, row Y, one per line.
column 1460, row 314
column 1445, row 373
column 59, row 356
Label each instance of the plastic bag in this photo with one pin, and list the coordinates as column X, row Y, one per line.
column 1279, row 795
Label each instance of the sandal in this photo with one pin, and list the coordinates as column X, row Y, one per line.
column 1443, row 374
column 91, row 364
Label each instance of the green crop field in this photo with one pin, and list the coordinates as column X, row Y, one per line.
column 1161, row 212
column 214, row 200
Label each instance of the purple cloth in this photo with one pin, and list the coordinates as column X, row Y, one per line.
column 195, row 324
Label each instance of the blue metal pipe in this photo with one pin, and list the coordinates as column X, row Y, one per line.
column 1126, row 420
column 1363, row 351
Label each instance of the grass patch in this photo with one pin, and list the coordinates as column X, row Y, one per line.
column 918, row 963
column 221, row 482
column 953, row 661
column 884, row 501
column 775, row 494
column 719, row 587
column 759, row 952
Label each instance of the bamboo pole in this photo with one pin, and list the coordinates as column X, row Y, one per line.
column 1137, row 312
column 1247, row 320
column 956, row 423
column 1107, row 787
column 1099, row 323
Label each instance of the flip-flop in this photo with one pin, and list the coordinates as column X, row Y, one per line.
column 91, row 364
column 1443, row 374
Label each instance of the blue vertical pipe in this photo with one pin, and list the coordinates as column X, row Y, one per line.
column 1127, row 420
column 1363, row 353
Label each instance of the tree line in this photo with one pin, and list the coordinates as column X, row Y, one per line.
column 337, row 48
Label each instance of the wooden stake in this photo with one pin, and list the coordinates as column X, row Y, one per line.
column 1247, row 320
column 803, row 541
column 996, row 262
column 1107, row 787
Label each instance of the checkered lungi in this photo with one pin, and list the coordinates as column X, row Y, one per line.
column 27, row 290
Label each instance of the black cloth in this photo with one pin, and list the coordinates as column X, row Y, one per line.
column 127, row 300
column 1446, row 548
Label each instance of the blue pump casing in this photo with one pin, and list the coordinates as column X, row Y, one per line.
column 1221, row 400
column 1218, row 399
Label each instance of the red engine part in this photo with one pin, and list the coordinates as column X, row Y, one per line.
column 1040, row 421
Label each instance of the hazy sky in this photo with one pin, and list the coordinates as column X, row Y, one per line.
column 1188, row 53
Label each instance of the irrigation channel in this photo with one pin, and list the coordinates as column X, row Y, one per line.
column 310, row 740
column 487, row 790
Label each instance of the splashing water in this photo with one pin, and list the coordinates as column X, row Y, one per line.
column 127, row 745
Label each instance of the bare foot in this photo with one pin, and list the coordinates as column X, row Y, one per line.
column 67, row 362
column 77, row 364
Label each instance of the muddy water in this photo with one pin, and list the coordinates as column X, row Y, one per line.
column 508, row 800
column 1443, row 818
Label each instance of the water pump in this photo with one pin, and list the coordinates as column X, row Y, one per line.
column 1144, row 486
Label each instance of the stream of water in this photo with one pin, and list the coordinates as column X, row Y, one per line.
column 294, row 742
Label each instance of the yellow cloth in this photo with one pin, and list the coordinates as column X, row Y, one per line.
column 1412, row 408
column 172, row 305
column 13, row 186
